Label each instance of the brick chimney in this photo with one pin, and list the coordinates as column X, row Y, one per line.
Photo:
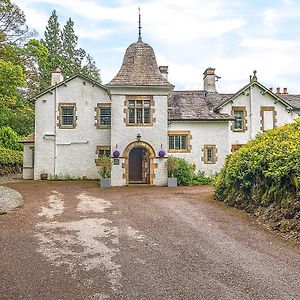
column 209, row 80
column 164, row 71
column 56, row 76
column 285, row 92
column 278, row 91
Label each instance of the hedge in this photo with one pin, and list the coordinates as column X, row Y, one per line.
column 263, row 177
column 9, row 157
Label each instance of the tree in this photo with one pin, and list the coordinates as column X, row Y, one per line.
column 72, row 57
column 13, row 28
column 38, row 72
column 53, row 42
column 90, row 70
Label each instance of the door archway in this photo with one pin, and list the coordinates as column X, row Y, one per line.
column 139, row 166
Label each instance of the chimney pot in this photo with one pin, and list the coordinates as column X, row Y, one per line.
column 56, row 76
column 164, row 71
column 209, row 80
column 278, row 90
column 285, row 92
column 271, row 89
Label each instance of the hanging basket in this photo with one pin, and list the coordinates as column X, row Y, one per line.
column 116, row 154
column 161, row 153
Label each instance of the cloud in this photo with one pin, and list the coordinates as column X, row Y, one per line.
column 234, row 36
column 93, row 34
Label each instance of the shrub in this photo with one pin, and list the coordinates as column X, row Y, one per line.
column 172, row 165
column 9, row 157
column 105, row 163
column 263, row 173
column 200, row 178
column 10, row 139
column 185, row 172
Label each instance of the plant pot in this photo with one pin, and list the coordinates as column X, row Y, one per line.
column 44, row 176
column 172, row 182
column 105, row 182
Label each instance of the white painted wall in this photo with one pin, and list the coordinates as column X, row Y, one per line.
column 75, row 148
column 28, row 161
column 156, row 135
column 204, row 133
column 258, row 99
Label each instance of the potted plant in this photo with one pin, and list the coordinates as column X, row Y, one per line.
column 105, row 170
column 172, row 167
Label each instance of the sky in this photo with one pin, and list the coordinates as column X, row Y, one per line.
column 233, row 36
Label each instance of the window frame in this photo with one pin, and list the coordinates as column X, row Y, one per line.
column 106, row 148
column 98, row 115
column 214, row 150
column 136, row 107
column 236, row 147
column 263, row 109
column 243, row 110
column 62, row 106
column 185, row 133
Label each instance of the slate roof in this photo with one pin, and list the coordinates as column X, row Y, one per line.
column 293, row 100
column 29, row 139
column 139, row 68
column 196, row 105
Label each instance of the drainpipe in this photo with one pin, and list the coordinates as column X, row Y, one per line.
column 55, row 132
column 250, row 112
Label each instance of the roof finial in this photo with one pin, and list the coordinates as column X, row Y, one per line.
column 254, row 77
column 140, row 26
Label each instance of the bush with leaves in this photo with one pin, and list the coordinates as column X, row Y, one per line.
column 105, row 163
column 10, row 139
column 9, row 157
column 185, row 172
column 265, row 173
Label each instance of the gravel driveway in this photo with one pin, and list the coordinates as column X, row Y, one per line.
column 73, row 240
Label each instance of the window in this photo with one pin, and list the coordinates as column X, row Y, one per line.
column 210, row 154
column 67, row 115
column 102, row 151
column 235, row 147
column 103, row 115
column 268, row 117
column 239, row 114
column 179, row 141
column 139, row 111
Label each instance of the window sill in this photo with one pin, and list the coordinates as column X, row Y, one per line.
column 179, row 151
column 103, row 127
column 66, row 127
column 139, row 125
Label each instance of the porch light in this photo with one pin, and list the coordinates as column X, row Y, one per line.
column 138, row 137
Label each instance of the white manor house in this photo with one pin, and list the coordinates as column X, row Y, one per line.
column 139, row 120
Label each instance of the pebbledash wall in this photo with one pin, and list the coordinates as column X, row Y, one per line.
column 204, row 133
column 254, row 99
column 206, row 120
column 156, row 135
column 71, row 151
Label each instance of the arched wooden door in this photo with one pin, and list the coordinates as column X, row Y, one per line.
column 139, row 165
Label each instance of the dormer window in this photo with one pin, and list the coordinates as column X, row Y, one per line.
column 139, row 111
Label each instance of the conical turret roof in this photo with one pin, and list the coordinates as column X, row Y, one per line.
column 139, row 68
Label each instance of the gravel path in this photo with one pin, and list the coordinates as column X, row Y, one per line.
column 9, row 200
column 73, row 240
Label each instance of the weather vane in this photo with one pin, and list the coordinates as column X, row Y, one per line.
column 140, row 26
